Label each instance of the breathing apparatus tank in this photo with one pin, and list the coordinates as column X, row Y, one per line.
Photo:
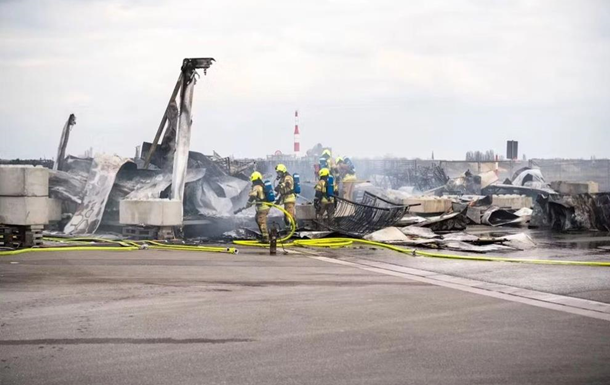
column 297, row 183
column 269, row 193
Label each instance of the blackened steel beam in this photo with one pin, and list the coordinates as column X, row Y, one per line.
column 63, row 142
column 163, row 121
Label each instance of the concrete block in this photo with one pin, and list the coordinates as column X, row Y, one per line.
column 574, row 188
column 512, row 201
column 24, row 181
column 428, row 205
column 24, row 211
column 54, row 208
column 150, row 212
column 305, row 212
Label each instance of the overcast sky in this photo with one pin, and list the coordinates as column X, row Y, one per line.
column 369, row 78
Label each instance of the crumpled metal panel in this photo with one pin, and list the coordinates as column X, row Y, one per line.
column 152, row 187
column 216, row 197
column 574, row 212
column 102, row 175
column 67, row 186
column 358, row 219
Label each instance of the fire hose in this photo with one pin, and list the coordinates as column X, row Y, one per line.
column 85, row 244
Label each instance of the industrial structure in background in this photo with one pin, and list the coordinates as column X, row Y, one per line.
column 297, row 135
column 512, row 150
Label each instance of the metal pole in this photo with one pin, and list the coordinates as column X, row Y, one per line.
column 183, row 135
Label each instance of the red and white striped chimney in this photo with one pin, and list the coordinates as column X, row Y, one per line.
column 297, row 134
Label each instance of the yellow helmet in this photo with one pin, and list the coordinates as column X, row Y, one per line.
column 256, row 176
column 324, row 172
column 281, row 168
column 339, row 160
column 327, row 153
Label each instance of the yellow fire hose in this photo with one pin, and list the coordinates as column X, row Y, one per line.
column 68, row 248
column 293, row 229
column 345, row 242
column 123, row 245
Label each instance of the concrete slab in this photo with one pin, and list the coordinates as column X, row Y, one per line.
column 574, row 188
column 24, row 181
column 428, row 205
column 152, row 212
column 305, row 212
column 54, row 208
column 24, row 211
column 512, row 201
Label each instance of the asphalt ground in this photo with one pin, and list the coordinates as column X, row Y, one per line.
column 159, row 317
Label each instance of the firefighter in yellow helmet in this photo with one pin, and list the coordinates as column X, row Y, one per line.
column 324, row 201
column 326, row 161
column 285, row 192
column 347, row 173
column 337, row 166
column 257, row 197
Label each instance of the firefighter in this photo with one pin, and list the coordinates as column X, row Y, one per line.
column 337, row 169
column 285, row 192
column 348, row 178
column 326, row 160
column 257, row 197
column 324, row 201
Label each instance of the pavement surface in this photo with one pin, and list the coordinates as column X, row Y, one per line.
column 170, row 317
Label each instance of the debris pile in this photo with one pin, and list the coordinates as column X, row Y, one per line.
column 573, row 212
column 92, row 189
column 460, row 241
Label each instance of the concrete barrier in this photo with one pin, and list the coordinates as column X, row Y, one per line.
column 575, row 188
column 428, row 205
column 512, row 201
column 305, row 212
column 24, row 181
column 54, row 209
column 24, row 211
column 152, row 212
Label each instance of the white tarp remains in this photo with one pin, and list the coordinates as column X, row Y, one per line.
column 519, row 241
column 420, row 232
column 387, row 235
